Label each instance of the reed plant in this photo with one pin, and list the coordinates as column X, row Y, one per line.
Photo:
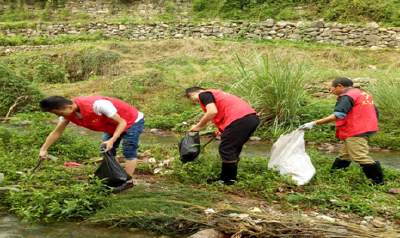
column 386, row 94
column 273, row 84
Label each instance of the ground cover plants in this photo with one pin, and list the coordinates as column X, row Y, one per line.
column 53, row 192
column 152, row 76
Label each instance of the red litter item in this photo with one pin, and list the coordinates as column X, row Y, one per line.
column 73, row 165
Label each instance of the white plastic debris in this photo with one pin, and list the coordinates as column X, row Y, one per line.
column 254, row 209
column 209, row 210
column 152, row 160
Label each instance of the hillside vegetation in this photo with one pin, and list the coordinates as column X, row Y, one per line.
column 383, row 11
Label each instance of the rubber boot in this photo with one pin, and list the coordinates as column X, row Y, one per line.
column 374, row 172
column 340, row 164
column 228, row 174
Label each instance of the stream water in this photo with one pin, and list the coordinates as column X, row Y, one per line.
column 262, row 148
column 10, row 224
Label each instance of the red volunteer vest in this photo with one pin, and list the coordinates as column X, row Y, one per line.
column 102, row 123
column 230, row 108
column 360, row 119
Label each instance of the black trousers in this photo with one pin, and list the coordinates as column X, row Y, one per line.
column 235, row 136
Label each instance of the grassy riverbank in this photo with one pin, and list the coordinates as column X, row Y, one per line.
column 152, row 76
column 176, row 202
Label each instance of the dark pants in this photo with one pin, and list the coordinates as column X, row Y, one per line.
column 235, row 136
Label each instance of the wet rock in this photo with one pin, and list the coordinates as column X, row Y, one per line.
column 155, row 130
column 24, row 123
column 364, row 223
column 209, row 233
column 326, row 218
column 394, row 190
column 378, row 224
column 369, row 218
column 338, row 230
column 255, row 138
column 84, row 133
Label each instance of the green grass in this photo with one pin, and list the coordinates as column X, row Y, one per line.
column 161, row 208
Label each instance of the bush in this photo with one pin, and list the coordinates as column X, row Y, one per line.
column 17, row 93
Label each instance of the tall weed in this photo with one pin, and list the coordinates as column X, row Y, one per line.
column 386, row 94
column 274, row 85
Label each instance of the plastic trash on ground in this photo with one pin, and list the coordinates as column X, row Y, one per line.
column 189, row 146
column 110, row 169
column 289, row 157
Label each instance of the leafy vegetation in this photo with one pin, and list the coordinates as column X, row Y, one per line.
column 52, row 192
column 331, row 10
column 17, row 94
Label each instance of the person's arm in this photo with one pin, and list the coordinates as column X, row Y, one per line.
column 210, row 114
column 52, row 138
column 118, row 131
column 328, row 119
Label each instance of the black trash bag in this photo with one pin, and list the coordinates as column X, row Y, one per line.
column 111, row 170
column 189, row 147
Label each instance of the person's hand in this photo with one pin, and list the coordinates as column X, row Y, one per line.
column 195, row 128
column 307, row 126
column 109, row 145
column 43, row 154
column 217, row 133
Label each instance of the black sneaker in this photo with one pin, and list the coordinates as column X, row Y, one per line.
column 122, row 187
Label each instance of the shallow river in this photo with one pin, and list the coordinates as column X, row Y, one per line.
column 261, row 148
column 10, row 227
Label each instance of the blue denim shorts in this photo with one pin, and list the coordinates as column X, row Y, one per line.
column 130, row 140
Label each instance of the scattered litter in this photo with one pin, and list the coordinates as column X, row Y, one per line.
column 52, row 157
column 1, row 177
column 9, row 188
column 240, row 216
column 209, row 210
column 97, row 159
column 254, row 209
column 73, row 165
column 19, row 173
column 152, row 160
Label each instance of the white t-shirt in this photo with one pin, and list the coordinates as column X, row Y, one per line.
column 103, row 107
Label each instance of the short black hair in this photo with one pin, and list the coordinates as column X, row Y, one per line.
column 54, row 102
column 346, row 82
column 192, row 90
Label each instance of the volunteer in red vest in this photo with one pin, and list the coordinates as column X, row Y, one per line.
column 236, row 121
column 356, row 118
column 117, row 120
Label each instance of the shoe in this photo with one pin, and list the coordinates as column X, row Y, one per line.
column 227, row 183
column 228, row 174
column 374, row 172
column 122, row 187
column 340, row 164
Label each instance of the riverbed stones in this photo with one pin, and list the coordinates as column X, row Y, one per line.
column 208, row 233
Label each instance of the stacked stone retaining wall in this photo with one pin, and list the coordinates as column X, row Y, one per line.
column 361, row 36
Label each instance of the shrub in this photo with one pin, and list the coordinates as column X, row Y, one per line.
column 17, row 93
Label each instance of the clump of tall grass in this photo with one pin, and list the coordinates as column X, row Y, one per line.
column 273, row 84
column 386, row 94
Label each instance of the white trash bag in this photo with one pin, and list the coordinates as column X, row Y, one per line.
column 289, row 157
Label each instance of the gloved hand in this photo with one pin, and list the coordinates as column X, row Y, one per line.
column 307, row 126
column 217, row 132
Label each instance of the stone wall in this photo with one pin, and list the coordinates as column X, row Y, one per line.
column 361, row 36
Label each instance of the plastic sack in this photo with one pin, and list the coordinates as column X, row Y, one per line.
column 289, row 157
column 110, row 169
column 189, row 147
